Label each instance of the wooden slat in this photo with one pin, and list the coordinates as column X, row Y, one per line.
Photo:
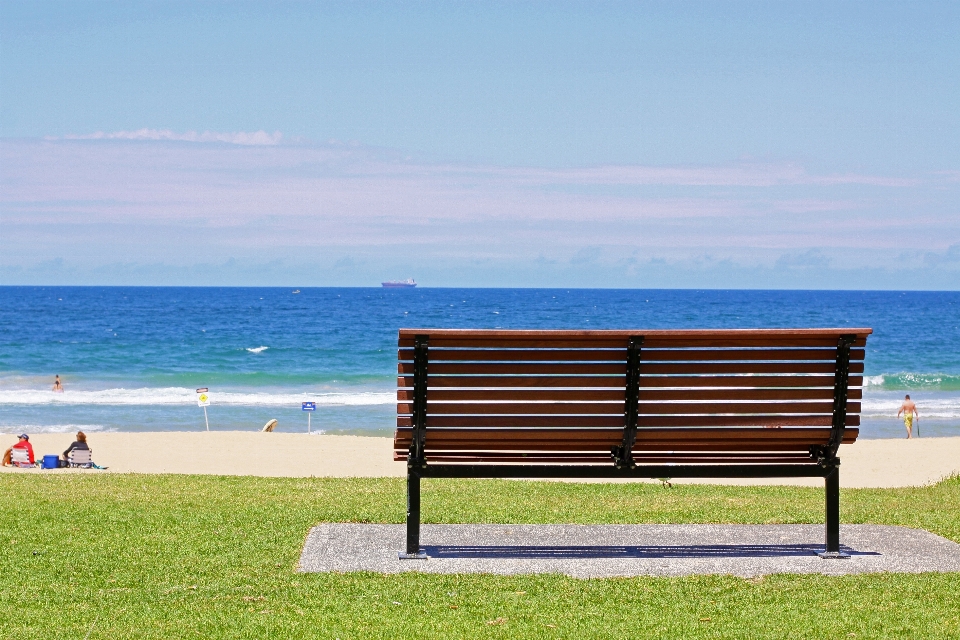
column 825, row 342
column 504, row 368
column 684, row 355
column 743, row 420
column 646, row 369
column 545, row 436
column 798, row 447
column 508, row 334
column 746, row 342
column 655, row 395
column 745, row 381
column 599, row 459
column 691, row 382
column 672, row 408
column 645, row 409
column 701, row 456
column 517, row 381
column 646, row 395
column 712, row 368
column 826, row 337
column 481, row 342
column 679, row 440
column 613, row 420
column 698, row 457
column 651, row 355
column 517, row 394
column 603, row 447
column 507, row 458
column 645, row 437
column 517, row 408
column 520, row 355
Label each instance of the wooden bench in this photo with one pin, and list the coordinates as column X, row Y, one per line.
column 627, row 404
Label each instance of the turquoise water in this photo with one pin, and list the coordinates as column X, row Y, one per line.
column 132, row 357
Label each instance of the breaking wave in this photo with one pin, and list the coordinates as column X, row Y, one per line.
column 915, row 381
column 51, row 428
column 184, row 396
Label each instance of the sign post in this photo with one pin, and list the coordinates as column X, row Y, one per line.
column 309, row 407
column 203, row 400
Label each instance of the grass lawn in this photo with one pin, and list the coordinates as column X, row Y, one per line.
column 150, row 556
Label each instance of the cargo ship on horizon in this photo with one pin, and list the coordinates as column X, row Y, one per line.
column 400, row 284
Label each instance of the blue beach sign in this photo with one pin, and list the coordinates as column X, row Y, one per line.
column 309, row 407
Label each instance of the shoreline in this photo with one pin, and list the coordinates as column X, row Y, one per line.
column 880, row 463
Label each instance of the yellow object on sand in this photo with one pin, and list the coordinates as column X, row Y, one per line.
column 270, row 426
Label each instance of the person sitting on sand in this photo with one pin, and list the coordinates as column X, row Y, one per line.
column 79, row 443
column 909, row 410
column 23, row 442
column 57, row 385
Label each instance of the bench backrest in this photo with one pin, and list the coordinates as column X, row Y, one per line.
column 497, row 394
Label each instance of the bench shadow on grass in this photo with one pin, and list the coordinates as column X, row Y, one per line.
column 650, row 552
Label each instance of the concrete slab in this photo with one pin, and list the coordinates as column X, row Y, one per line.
column 595, row 551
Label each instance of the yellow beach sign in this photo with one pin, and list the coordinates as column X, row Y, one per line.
column 203, row 400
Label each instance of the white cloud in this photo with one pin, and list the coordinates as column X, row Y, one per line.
column 255, row 138
column 101, row 199
column 735, row 175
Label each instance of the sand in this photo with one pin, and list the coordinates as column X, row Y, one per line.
column 864, row 464
column 246, row 453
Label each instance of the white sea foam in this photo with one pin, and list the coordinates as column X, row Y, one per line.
column 937, row 406
column 184, row 396
column 257, row 349
column 14, row 429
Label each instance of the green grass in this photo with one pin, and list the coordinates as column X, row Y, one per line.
column 141, row 556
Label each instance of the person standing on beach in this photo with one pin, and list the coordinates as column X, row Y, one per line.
column 909, row 410
column 57, row 385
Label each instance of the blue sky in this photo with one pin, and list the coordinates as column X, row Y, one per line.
column 718, row 144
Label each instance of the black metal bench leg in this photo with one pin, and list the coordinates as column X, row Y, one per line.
column 832, row 520
column 413, row 519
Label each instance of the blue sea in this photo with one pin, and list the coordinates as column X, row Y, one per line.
column 131, row 358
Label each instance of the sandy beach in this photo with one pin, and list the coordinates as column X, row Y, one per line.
column 864, row 464
column 238, row 453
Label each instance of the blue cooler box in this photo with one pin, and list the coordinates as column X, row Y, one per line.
column 51, row 462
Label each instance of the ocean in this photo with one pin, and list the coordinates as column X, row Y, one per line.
column 131, row 358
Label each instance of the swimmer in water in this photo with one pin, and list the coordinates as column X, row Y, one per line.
column 57, row 385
